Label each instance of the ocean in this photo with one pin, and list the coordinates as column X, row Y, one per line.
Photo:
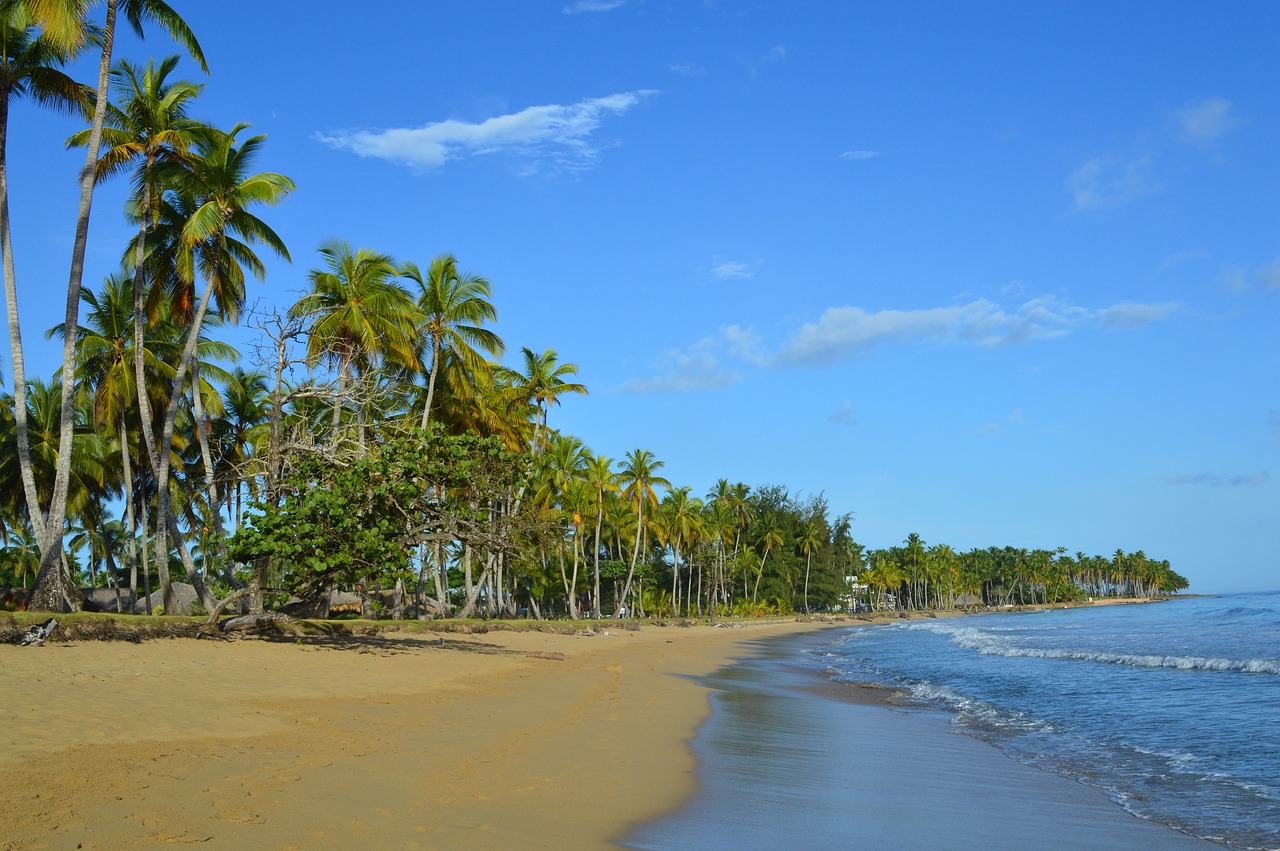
column 1173, row 709
column 1169, row 710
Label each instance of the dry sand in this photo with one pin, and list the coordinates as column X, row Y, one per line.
column 384, row 742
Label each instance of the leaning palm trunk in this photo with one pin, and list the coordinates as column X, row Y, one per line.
column 52, row 589
column 165, row 518
column 210, row 485
column 130, row 520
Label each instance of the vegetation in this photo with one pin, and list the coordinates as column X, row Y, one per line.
column 375, row 442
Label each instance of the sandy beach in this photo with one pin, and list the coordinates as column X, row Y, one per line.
column 390, row 742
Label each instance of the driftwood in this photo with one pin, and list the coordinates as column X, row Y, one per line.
column 36, row 635
column 542, row 654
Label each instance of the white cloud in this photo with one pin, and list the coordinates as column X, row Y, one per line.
column 743, row 343
column 1203, row 121
column 592, row 6
column 847, row 333
column 701, row 367
column 1111, row 181
column 729, row 269
column 1218, row 480
column 859, row 155
column 556, row 132
column 1128, row 314
column 685, row 373
column 842, row 333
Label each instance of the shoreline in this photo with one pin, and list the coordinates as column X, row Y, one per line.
column 415, row 740
column 790, row 757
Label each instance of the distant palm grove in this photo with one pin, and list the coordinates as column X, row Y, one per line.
column 371, row 441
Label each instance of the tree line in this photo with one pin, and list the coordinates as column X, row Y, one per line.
column 374, row 439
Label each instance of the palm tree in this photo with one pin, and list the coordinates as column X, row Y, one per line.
column 601, row 480
column 639, row 473
column 65, row 24
column 215, row 241
column 453, row 305
column 149, row 130
column 245, row 402
column 810, row 540
column 29, row 64
column 358, row 314
column 770, row 537
column 543, row 384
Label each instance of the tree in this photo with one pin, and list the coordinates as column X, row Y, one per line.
column 64, row 22
column 542, row 382
column 452, row 306
column 358, row 314
column 810, row 540
column 639, row 475
column 214, row 241
column 29, row 67
column 601, row 480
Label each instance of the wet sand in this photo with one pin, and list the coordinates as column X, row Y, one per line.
column 789, row 759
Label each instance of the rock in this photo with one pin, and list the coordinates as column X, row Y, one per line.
column 184, row 596
column 104, row 600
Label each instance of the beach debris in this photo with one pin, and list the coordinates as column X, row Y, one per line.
column 35, row 637
column 544, row 654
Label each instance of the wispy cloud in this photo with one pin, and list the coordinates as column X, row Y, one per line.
column 1218, row 480
column 859, row 155
column 843, row 334
column 703, row 366
column 1269, row 275
column 1111, row 181
column 776, row 54
column 685, row 373
column 843, row 415
column 730, row 269
column 685, row 69
column 1015, row 418
column 592, row 6
column 1128, row 314
column 1203, row 121
column 556, row 133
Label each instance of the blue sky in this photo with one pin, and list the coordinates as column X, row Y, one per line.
column 997, row 273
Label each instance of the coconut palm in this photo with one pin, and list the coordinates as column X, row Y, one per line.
column 639, row 475
column 770, row 537
column 543, row 384
column 452, row 307
column 600, row 479
column 29, row 67
column 149, row 131
column 65, row 24
column 218, row 187
column 358, row 314
column 810, row 541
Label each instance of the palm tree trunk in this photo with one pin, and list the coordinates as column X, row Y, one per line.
column 211, row 488
column 431, row 381
column 51, row 591
column 163, row 492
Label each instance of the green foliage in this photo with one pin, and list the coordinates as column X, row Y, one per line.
column 357, row 523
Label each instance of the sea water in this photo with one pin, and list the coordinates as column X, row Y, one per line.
column 1172, row 708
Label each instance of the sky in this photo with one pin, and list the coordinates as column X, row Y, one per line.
column 995, row 273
